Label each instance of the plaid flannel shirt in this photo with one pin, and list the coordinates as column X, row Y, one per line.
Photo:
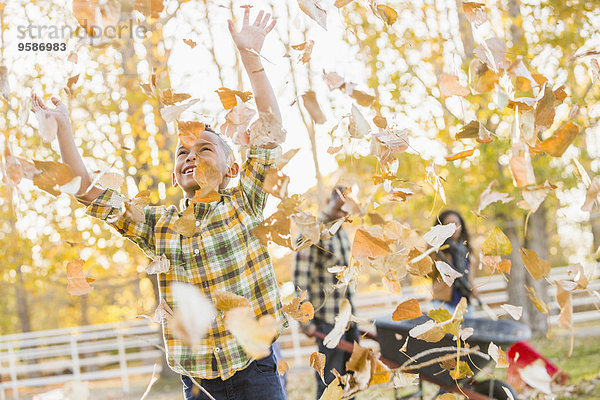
column 223, row 254
column 311, row 275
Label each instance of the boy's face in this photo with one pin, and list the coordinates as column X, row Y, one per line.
column 208, row 149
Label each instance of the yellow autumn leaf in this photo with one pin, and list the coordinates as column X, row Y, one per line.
column 225, row 301
column 496, row 244
column 255, row 336
column 366, row 245
column 317, row 362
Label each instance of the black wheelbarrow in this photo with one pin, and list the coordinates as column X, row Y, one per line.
column 391, row 336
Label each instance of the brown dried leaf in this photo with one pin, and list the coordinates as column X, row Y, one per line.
column 266, row 130
column 493, row 53
column 544, row 110
column 306, row 48
column 309, row 99
column 186, row 224
column 535, row 299
column 558, row 143
column 521, row 167
column 481, row 78
column 53, row 175
column 537, row 267
column 189, row 42
column 450, row 86
column 362, row 98
column 226, row 301
column 475, row 12
column 564, row 299
column 475, row 130
column 314, row 11
column 282, row 367
column 150, row 8
column 189, row 132
column 254, row 336
column 386, row 13
column 160, row 265
column 168, row 97
column 276, row 183
column 461, row 154
column 317, row 362
column 488, row 197
column 366, row 245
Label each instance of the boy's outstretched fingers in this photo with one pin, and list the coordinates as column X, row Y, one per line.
column 271, row 26
column 258, row 20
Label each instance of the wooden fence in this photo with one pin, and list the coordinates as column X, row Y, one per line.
column 109, row 351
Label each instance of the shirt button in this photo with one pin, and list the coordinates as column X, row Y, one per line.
column 197, row 251
column 217, row 349
column 197, row 223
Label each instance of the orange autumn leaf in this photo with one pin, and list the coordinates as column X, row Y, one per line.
column 78, row 284
column 537, row 267
column 317, row 361
column 282, row 367
column 459, row 155
column 168, row 97
column 189, row 42
column 408, row 309
column 386, row 13
column 189, row 132
column 380, row 122
column 366, row 245
column 228, row 97
column 558, row 143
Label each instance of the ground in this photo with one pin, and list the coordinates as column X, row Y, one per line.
column 583, row 367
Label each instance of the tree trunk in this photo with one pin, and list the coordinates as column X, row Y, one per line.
column 22, row 304
column 537, row 240
column 518, row 273
column 466, row 34
column 595, row 223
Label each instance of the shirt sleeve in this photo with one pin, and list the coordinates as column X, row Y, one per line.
column 253, row 174
column 107, row 207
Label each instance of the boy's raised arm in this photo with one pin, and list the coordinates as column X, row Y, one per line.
column 68, row 150
column 249, row 41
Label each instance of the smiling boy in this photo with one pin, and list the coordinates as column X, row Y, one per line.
column 222, row 254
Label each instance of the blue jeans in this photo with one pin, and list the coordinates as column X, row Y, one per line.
column 258, row 381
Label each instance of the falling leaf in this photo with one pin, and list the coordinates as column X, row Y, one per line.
column 134, row 213
column 394, row 140
column 229, row 98
column 207, row 176
column 315, row 11
column 96, row 16
column 461, row 154
column 537, row 267
column 341, row 322
column 564, row 299
column 558, row 143
column 513, row 311
column 317, row 362
column 493, row 52
column 461, row 371
column 282, row 367
column 171, row 113
column 496, row 244
column 536, row 376
column 362, row 98
column 160, row 265
column 236, row 123
column 46, row 124
column 533, row 197
column 163, row 312
column 366, row 245
column 266, row 130
column 78, row 284
column 498, row 355
column 537, row 302
column 300, row 311
column 408, row 309
column 168, row 97
column 226, row 301
column 186, row 224
column 518, row 69
column 380, row 122
column 70, row 82
column 150, row 8
column 496, row 263
column 386, row 13
column 276, row 183
column 591, row 196
column 544, row 110
column 447, row 396
column 306, row 48
column 488, row 197
column 448, row 273
column 475, row 130
column 342, row 3
column 17, row 168
column 475, row 12
column 255, row 336
column 450, row 86
column 333, row 80
column 521, row 167
column 423, row 264
column 189, row 132
column 358, row 126
column 309, row 99
column 333, row 391
column 438, row 234
column 189, row 325
column 428, row 331
column 189, row 42
column 52, row 176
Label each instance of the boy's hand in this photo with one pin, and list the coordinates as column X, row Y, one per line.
column 60, row 113
column 252, row 37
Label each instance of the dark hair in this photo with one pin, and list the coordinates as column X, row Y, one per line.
column 338, row 191
column 464, row 233
column 224, row 144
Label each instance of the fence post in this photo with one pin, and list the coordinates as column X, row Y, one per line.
column 75, row 359
column 2, row 394
column 12, row 365
column 296, row 342
column 123, row 361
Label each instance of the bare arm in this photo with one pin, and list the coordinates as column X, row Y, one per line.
column 68, row 150
column 249, row 42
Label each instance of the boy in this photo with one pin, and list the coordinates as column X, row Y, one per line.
column 222, row 254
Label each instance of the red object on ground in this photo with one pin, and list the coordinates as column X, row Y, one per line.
column 521, row 354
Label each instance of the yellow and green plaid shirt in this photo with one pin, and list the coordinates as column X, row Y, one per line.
column 223, row 254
